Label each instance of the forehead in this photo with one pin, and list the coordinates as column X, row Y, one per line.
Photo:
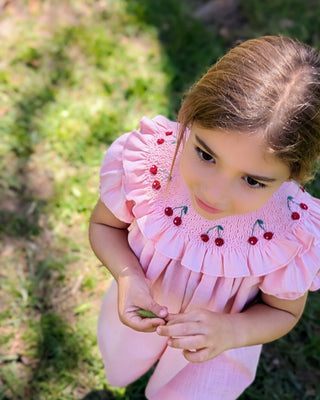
column 237, row 139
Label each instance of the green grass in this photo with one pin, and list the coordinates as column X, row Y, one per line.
column 73, row 76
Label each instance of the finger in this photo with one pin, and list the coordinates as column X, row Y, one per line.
column 161, row 312
column 179, row 329
column 157, row 309
column 195, row 342
column 146, row 326
column 194, row 316
column 150, row 324
column 197, row 356
column 173, row 317
column 142, row 324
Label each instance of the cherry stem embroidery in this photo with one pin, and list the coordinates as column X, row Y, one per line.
column 267, row 234
column 166, row 173
column 290, row 201
column 218, row 240
column 184, row 210
column 260, row 223
column 219, row 229
column 294, row 214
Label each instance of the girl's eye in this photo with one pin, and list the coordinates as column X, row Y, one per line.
column 205, row 156
column 253, row 183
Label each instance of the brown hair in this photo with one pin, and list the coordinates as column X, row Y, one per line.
column 269, row 85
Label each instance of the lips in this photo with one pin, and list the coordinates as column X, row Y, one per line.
column 206, row 207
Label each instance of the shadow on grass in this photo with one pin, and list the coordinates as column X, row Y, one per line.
column 59, row 350
column 99, row 395
column 134, row 391
column 24, row 222
column 58, row 347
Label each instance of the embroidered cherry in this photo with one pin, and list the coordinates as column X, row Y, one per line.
column 253, row 240
column 302, row 188
column 268, row 235
column 156, row 185
column 218, row 241
column 168, row 133
column 295, row 215
column 177, row 221
column 204, row 237
column 153, row 169
column 160, row 141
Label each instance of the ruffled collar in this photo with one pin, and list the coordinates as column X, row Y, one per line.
column 258, row 243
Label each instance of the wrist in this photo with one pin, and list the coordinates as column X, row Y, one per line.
column 131, row 273
column 234, row 338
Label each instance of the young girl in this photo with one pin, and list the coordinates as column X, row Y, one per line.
column 204, row 223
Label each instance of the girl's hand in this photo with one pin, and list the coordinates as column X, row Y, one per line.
column 201, row 334
column 134, row 295
column 109, row 240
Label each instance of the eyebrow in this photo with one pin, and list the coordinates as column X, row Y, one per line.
column 212, row 153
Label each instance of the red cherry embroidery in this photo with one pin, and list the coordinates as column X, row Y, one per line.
column 177, row 221
column 295, row 215
column 156, row 185
column 219, row 242
column 160, row 141
column 253, row 240
column 268, row 235
column 153, row 169
column 169, row 133
column 302, row 188
column 204, row 237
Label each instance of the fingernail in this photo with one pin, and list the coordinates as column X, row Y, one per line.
column 162, row 313
column 158, row 330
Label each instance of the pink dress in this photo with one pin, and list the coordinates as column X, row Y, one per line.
column 192, row 262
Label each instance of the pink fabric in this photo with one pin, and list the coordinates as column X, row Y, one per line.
column 185, row 272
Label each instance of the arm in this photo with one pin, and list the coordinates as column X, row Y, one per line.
column 208, row 334
column 109, row 240
column 268, row 320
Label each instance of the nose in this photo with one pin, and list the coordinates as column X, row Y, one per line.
column 216, row 190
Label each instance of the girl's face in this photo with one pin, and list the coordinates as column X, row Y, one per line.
column 228, row 173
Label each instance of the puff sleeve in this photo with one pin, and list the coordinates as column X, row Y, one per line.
column 112, row 177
